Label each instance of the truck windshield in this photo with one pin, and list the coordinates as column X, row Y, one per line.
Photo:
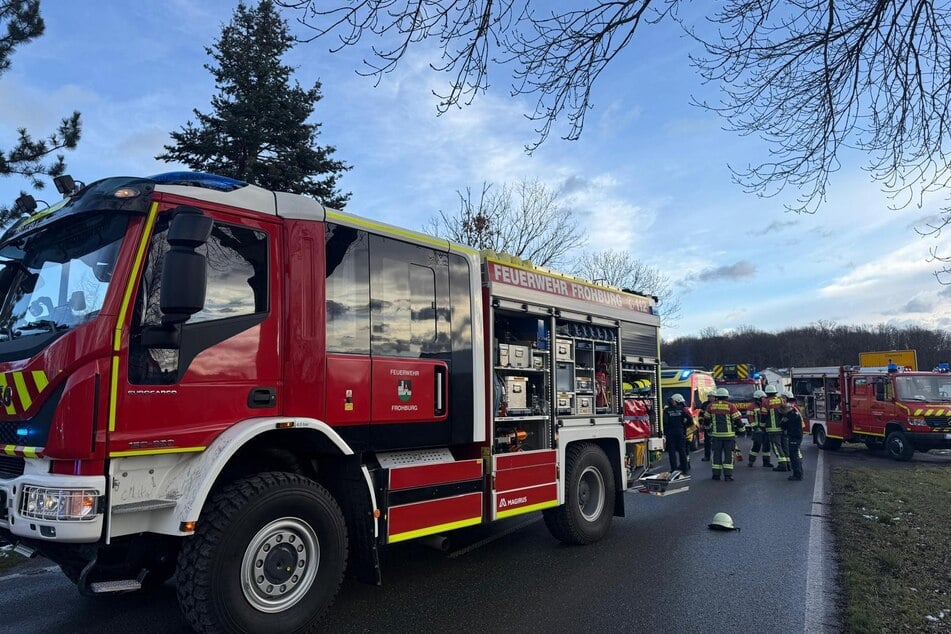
column 741, row 391
column 57, row 278
column 924, row 388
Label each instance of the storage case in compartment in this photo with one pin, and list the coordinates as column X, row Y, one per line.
column 516, row 391
column 520, row 356
column 563, row 350
column 663, row 484
column 585, row 404
column 564, row 404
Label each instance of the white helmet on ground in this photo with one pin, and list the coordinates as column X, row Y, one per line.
column 722, row 522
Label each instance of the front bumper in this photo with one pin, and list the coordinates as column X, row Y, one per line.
column 930, row 440
column 17, row 519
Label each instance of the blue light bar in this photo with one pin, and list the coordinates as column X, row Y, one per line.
column 685, row 374
column 23, row 431
column 199, row 179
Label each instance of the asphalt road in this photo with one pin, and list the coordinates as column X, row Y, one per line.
column 660, row 569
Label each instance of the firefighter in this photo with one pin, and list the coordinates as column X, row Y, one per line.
column 723, row 420
column 791, row 423
column 760, row 439
column 703, row 421
column 676, row 421
column 774, row 432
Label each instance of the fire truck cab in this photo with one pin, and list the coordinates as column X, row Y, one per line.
column 885, row 408
column 252, row 392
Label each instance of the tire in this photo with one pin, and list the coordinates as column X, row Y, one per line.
column 898, row 446
column 248, row 527
column 586, row 515
column 823, row 441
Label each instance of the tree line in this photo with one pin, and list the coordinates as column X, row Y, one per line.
column 818, row 344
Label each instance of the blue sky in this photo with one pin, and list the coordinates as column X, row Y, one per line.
column 650, row 174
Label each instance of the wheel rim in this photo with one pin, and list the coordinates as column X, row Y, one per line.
column 279, row 564
column 897, row 445
column 820, row 436
column 591, row 494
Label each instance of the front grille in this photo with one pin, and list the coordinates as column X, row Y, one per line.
column 938, row 421
column 11, row 467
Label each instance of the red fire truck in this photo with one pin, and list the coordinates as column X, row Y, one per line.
column 882, row 407
column 741, row 380
column 251, row 392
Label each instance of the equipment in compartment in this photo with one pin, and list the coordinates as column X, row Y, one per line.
column 519, row 356
column 504, row 355
column 585, row 405
column 564, row 403
column 516, row 389
column 563, row 350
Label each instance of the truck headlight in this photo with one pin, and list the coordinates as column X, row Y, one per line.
column 71, row 505
column 917, row 421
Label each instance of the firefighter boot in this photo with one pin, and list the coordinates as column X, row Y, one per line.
column 751, row 461
column 767, row 463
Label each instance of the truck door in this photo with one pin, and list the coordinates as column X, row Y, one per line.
column 862, row 396
column 226, row 368
column 879, row 406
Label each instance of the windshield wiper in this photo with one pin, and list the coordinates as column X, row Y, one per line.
column 41, row 324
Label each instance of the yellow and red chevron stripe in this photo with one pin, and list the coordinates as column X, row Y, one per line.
column 933, row 411
column 25, row 389
column 22, row 452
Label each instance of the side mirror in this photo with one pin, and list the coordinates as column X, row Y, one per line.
column 184, row 271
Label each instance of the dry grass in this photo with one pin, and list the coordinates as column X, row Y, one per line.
column 893, row 530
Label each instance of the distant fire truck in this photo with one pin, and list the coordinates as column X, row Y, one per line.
column 252, row 392
column 885, row 408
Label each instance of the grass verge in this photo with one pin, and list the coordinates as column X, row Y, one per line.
column 893, row 530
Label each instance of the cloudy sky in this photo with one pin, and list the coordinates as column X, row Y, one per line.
column 650, row 174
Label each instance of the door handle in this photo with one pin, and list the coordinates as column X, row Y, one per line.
column 262, row 397
column 439, row 407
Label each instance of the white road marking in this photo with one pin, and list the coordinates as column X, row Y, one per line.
column 818, row 597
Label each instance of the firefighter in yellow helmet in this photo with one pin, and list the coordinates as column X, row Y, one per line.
column 770, row 412
column 760, row 438
column 723, row 420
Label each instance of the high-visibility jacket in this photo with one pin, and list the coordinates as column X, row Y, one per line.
column 770, row 414
column 723, row 417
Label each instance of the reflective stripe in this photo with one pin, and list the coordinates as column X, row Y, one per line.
column 24, row 394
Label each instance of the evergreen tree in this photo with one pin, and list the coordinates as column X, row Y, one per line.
column 20, row 22
column 258, row 130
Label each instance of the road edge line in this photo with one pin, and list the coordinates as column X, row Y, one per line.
column 818, row 597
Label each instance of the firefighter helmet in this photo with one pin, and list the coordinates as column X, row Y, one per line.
column 722, row 392
column 771, row 389
column 722, row 522
column 788, row 395
column 677, row 398
column 759, row 394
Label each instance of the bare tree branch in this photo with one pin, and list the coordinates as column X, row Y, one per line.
column 525, row 220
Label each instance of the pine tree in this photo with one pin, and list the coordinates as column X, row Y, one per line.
column 20, row 22
column 258, row 130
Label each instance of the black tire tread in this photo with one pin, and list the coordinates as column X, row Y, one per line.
column 193, row 562
column 559, row 520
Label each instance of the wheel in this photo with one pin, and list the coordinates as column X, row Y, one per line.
column 268, row 555
column 823, row 441
column 585, row 517
column 898, row 447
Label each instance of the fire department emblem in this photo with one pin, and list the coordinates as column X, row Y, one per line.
column 404, row 390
